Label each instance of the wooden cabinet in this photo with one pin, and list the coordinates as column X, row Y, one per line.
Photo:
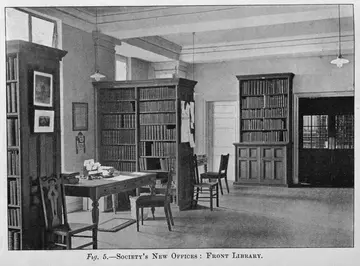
column 30, row 154
column 263, row 155
column 139, row 129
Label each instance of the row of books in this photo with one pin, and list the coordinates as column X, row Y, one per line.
column 114, row 137
column 13, row 162
column 117, row 95
column 275, row 136
column 14, row 217
column 118, row 107
column 161, row 164
column 118, row 152
column 155, row 106
column 259, row 87
column 264, row 101
column 157, row 132
column 12, row 132
column 11, row 97
column 157, row 148
column 263, row 124
column 157, row 118
column 122, row 166
column 157, row 93
column 14, row 240
column 118, row 121
column 14, row 192
column 268, row 113
column 11, row 67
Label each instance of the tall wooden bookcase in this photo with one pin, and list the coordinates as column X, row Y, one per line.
column 139, row 127
column 263, row 155
column 29, row 155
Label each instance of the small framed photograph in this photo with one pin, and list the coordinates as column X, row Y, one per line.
column 43, row 121
column 43, row 89
column 80, row 116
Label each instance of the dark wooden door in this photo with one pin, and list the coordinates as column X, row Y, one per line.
column 326, row 131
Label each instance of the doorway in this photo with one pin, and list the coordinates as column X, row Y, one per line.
column 326, row 141
column 222, row 130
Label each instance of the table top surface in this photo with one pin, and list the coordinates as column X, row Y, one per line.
column 117, row 177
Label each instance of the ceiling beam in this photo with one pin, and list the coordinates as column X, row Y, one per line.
column 157, row 45
column 188, row 24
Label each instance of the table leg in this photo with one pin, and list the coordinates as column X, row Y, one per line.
column 153, row 192
column 95, row 211
column 114, row 202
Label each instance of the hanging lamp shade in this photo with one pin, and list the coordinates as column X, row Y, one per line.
column 339, row 61
column 97, row 75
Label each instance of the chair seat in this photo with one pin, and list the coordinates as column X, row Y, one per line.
column 150, row 200
column 72, row 229
column 209, row 175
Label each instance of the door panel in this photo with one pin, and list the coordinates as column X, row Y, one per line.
column 224, row 134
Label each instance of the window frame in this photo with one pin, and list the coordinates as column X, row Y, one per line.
column 30, row 16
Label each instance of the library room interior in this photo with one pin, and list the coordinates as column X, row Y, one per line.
column 179, row 127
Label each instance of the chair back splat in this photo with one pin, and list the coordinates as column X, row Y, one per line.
column 52, row 197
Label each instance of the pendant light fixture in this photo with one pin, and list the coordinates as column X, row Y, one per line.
column 97, row 75
column 339, row 61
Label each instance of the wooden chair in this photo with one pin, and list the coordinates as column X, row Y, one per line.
column 208, row 190
column 221, row 174
column 55, row 214
column 159, row 200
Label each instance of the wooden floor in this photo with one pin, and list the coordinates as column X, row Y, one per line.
column 248, row 217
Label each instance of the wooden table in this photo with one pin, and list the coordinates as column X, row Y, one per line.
column 97, row 188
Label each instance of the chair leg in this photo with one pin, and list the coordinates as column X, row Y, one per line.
column 68, row 242
column 167, row 217
column 137, row 218
column 217, row 195
column 94, row 237
column 142, row 216
column 211, row 198
column 227, row 185
column 170, row 214
column 219, row 181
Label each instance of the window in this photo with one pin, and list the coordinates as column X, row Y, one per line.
column 26, row 26
column 121, row 67
column 328, row 132
column 315, row 131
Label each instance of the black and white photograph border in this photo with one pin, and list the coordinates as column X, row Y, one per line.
column 287, row 204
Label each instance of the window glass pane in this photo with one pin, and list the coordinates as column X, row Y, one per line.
column 42, row 31
column 17, row 25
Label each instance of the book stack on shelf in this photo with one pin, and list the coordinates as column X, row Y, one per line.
column 118, row 124
column 157, row 108
column 265, row 128
column 13, row 153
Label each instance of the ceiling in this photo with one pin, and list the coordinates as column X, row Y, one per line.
column 218, row 33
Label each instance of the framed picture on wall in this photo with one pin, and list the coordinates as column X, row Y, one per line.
column 80, row 116
column 43, row 89
column 43, row 121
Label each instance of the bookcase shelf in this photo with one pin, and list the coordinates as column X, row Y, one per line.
column 263, row 153
column 157, row 124
column 29, row 154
